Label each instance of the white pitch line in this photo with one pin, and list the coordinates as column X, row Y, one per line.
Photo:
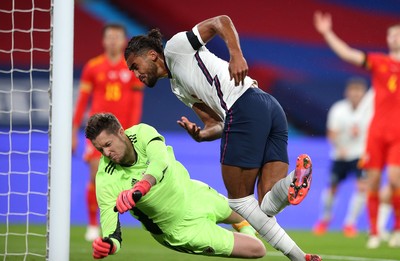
column 331, row 257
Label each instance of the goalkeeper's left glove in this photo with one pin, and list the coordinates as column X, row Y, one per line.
column 126, row 201
column 102, row 247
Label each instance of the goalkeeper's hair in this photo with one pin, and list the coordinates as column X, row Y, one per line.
column 142, row 43
column 99, row 122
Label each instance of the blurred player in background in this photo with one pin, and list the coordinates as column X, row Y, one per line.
column 384, row 212
column 347, row 124
column 106, row 85
column 383, row 138
column 251, row 123
column 139, row 173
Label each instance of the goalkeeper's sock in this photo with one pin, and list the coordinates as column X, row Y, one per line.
column 92, row 204
column 245, row 228
column 266, row 226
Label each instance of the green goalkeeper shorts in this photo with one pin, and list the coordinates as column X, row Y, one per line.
column 198, row 232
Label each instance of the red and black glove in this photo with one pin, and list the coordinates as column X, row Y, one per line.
column 102, row 247
column 126, row 201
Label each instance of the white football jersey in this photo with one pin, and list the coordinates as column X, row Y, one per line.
column 200, row 76
column 345, row 120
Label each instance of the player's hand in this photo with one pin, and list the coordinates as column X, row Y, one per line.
column 102, row 247
column 238, row 69
column 322, row 22
column 191, row 128
column 74, row 139
column 74, row 143
column 127, row 199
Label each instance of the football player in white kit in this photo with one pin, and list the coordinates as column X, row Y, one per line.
column 251, row 123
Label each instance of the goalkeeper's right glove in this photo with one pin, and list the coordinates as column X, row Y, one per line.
column 126, row 199
column 102, row 247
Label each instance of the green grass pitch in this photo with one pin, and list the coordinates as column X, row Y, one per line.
column 139, row 245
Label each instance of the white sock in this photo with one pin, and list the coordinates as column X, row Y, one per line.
column 266, row 226
column 277, row 198
column 327, row 203
column 357, row 204
column 384, row 212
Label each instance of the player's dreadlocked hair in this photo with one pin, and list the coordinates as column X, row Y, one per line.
column 99, row 122
column 142, row 43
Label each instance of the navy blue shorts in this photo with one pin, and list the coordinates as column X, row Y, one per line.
column 255, row 131
column 342, row 169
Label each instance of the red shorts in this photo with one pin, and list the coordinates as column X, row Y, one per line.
column 90, row 152
column 383, row 148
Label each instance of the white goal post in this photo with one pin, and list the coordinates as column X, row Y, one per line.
column 36, row 89
column 61, row 130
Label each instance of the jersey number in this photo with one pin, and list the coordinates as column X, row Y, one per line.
column 113, row 92
column 392, row 83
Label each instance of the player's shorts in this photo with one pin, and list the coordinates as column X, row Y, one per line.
column 341, row 169
column 90, row 152
column 198, row 232
column 383, row 148
column 255, row 131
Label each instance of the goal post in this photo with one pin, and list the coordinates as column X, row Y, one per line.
column 60, row 130
column 36, row 88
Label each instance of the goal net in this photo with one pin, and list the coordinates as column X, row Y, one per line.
column 26, row 33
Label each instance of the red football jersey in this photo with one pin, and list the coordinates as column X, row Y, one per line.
column 110, row 88
column 386, row 83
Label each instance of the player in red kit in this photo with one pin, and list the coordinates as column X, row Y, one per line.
column 383, row 139
column 106, row 85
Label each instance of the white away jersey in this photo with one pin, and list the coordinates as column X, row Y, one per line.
column 197, row 75
column 351, row 126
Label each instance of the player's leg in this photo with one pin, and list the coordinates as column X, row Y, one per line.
column 92, row 157
column 219, row 203
column 285, row 190
column 276, row 188
column 198, row 232
column 372, row 162
column 357, row 201
column 246, row 246
column 327, row 198
column 394, row 181
column 246, row 135
column 374, row 180
column 337, row 174
column 240, row 224
column 393, row 170
column 268, row 228
column 384, row 212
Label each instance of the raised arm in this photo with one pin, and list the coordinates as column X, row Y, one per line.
column 323, row 25
column 222, row 25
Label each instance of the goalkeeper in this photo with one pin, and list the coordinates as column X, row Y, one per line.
column 139, row 173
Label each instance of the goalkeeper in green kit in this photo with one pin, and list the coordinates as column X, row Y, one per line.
column 139, row 173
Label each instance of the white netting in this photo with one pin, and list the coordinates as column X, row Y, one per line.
column 25, row 32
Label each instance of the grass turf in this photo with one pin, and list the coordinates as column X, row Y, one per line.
column 139, row 245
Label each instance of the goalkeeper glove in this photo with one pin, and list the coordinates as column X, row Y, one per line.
column 102, row 247
column 126, row 201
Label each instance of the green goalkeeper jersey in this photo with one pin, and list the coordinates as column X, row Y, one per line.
column 167, row 200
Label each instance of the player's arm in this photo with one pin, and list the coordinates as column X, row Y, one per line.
column 213, row 124
column 85, row 91
column 222, row 25
column 111, row 239
column 323, row 24
column 157, row 155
